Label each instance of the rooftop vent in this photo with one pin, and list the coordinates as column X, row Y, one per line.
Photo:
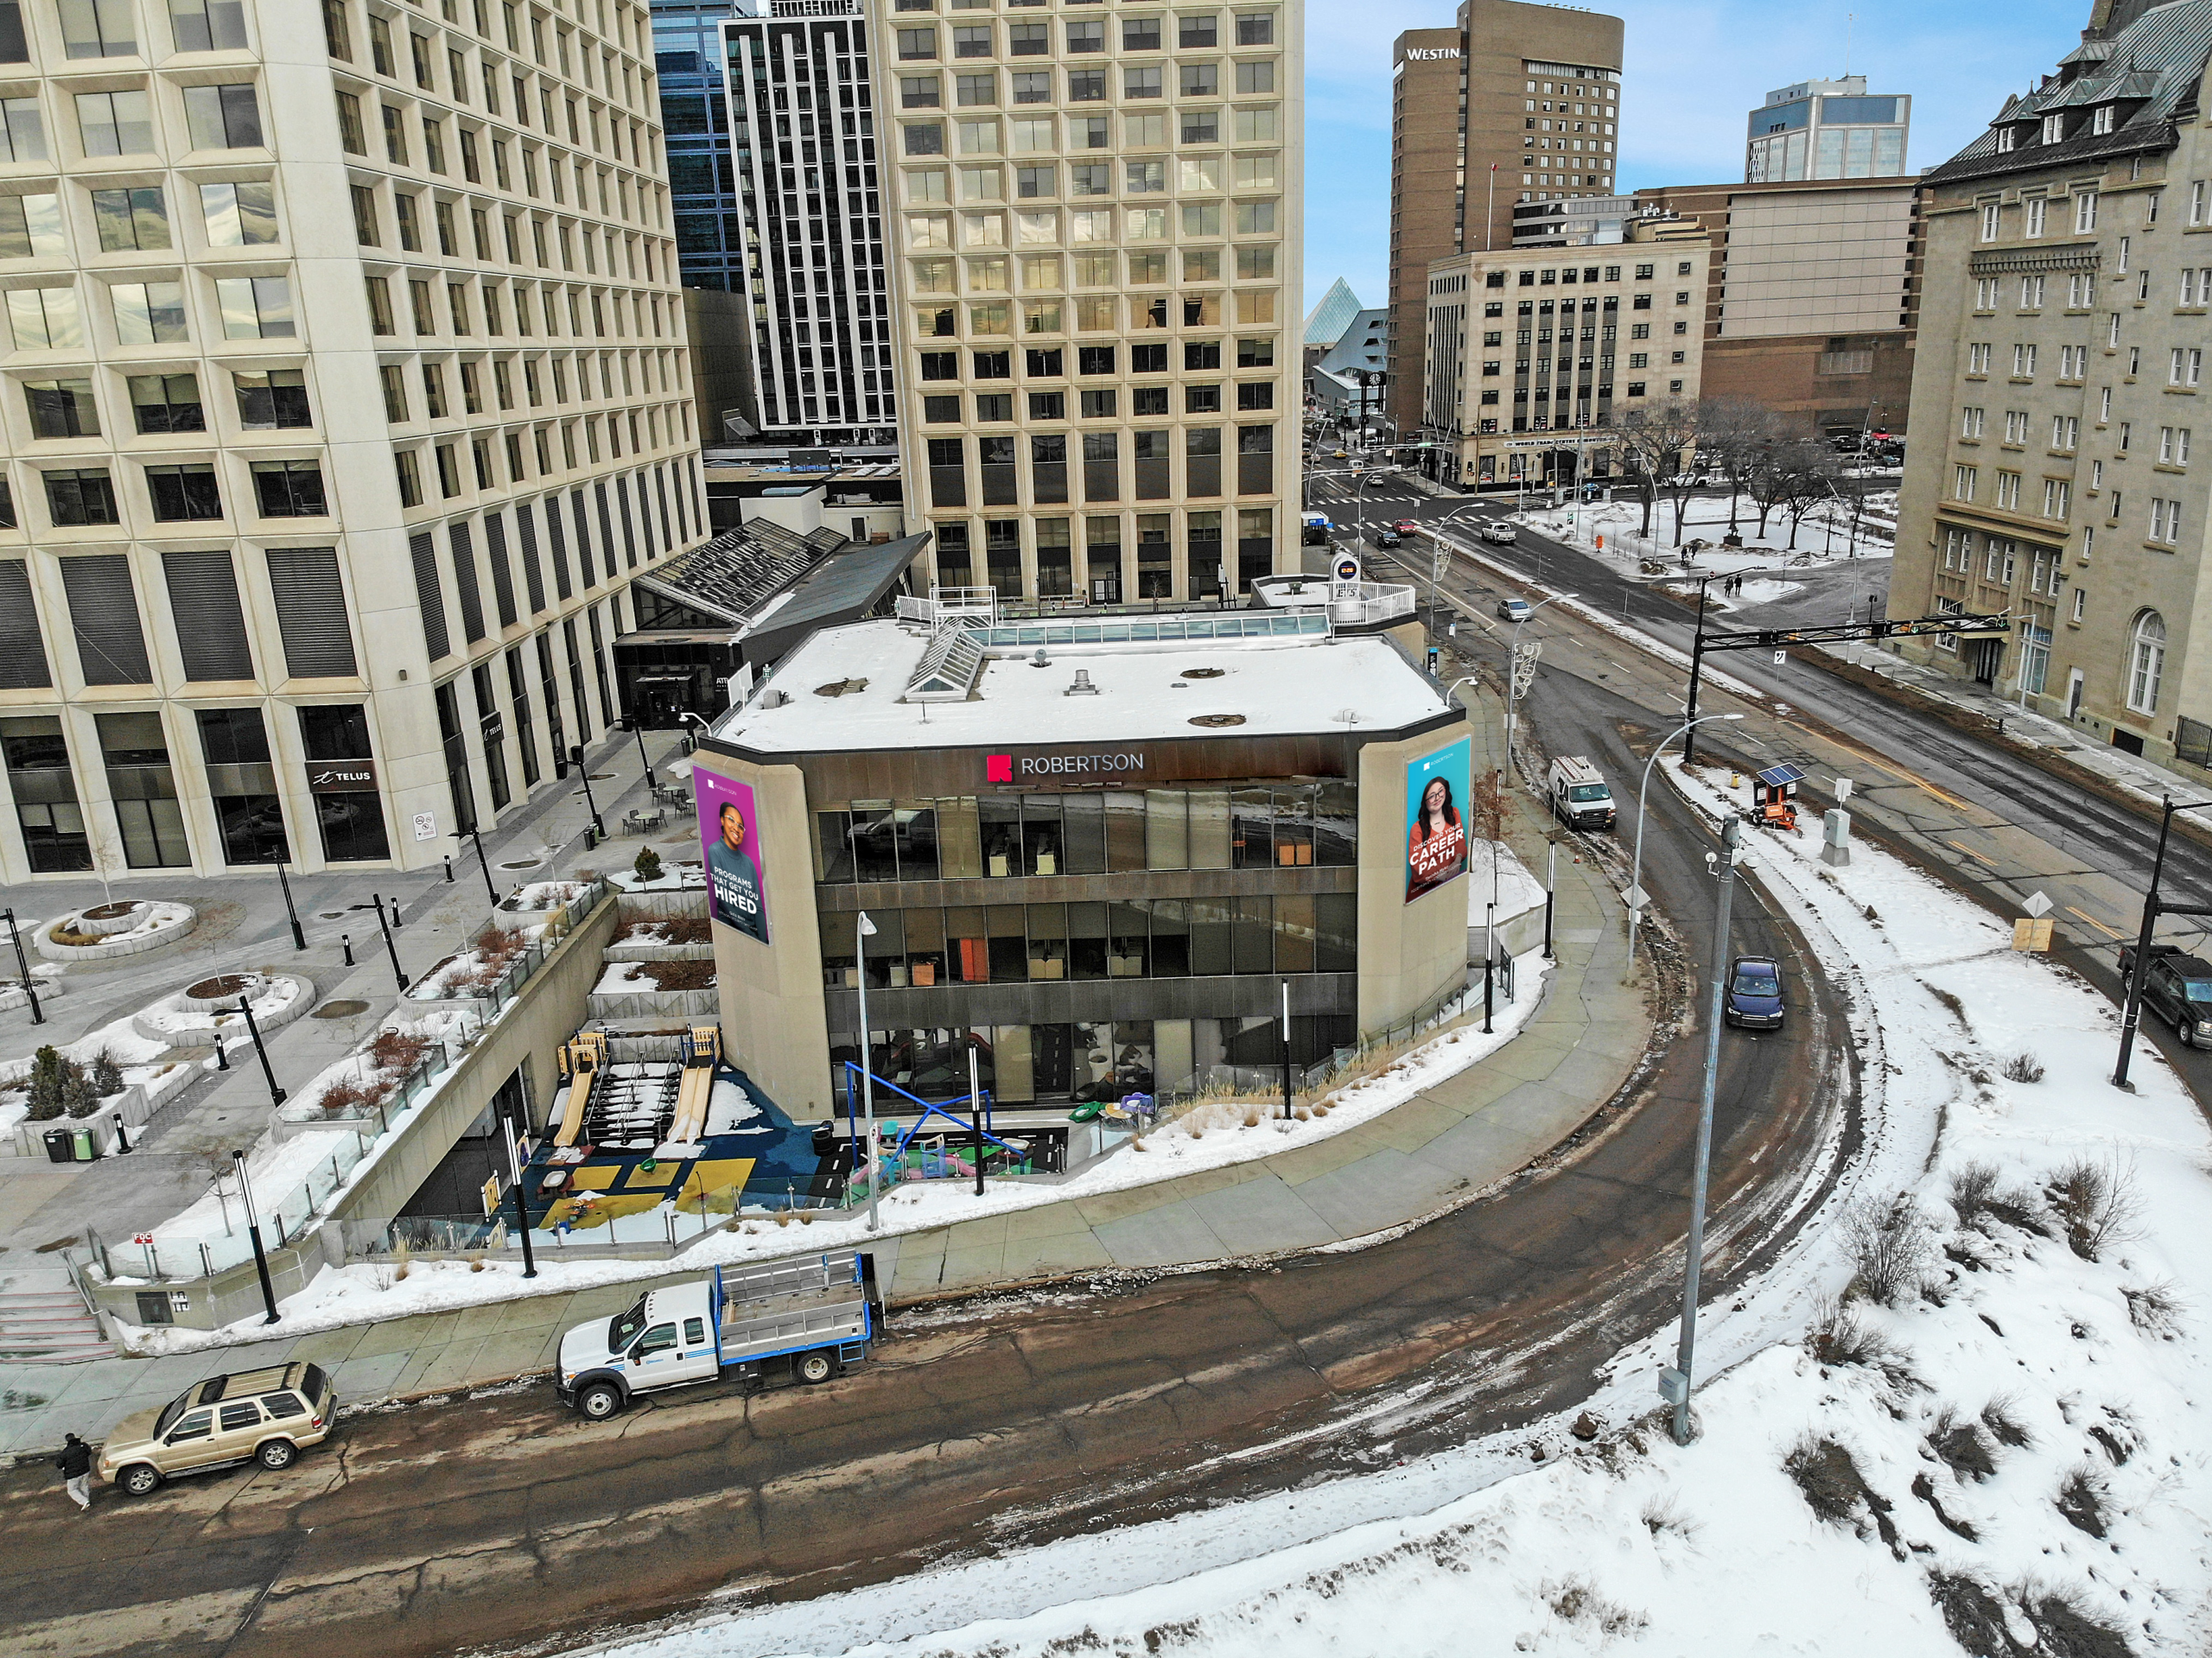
column 772, row 698
column 1082, row 687
column 1041, row 660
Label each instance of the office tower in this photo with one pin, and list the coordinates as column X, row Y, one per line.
column 1098, row 223
column 1536, row 353
column 1811, row 295
column 1826, row 130
column 689, row 60
column 350, row 387
column 802, row 141
column 1519, row 102
column 2062, row 336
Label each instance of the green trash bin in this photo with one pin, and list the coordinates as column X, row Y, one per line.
column 83, row 1145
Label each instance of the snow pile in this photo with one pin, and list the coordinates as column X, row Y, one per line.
column 543, row 895
column 1516, row 892
column 2007, row 1459
column 1220, row 1140
column 182, row 1023
column 275, row 1169
column 624, row 979
column 473, row 971
column 365, row 1078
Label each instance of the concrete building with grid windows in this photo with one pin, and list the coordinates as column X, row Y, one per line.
column 1517, row 103
column 346, row 388
column 1098, row 223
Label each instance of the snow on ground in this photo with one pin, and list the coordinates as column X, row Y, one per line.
column 624, row 979
column 2022, row 1377
column 175, row 1018
column 1515, row 891
column 1210, row 1137
column 275, row 1169
column 1826, row 529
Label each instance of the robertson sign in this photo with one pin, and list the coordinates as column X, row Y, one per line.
column 1021, row 768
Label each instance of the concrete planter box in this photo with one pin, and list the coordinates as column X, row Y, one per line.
column 660, row 952
column 656, row 1004
column 115, row 949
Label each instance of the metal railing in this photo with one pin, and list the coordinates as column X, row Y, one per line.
column 285, row 1215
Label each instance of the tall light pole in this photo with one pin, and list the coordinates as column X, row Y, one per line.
column 22, row 967
column 1675, row 1386
column 509, row 1124
column 638, row 727
column 376, row 903
column 253, row 1231
column 864, row 929
column 473, row 833
column 275, row 1095
column 576, row 760
column 1513, row 673
column 299, row 938
column 1636, row 895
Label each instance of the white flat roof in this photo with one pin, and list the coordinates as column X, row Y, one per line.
column 1281, row 687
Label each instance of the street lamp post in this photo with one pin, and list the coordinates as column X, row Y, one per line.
column 576, row 760
column 864, row 929
column 638, row 726
column 276, row 1094
column 1636, row 894
column 299, row 938
column 376, row 903
column 473, row 833
column 1678, row 1386
column 253, row 1231
column 23, row 966
column 1513, row 672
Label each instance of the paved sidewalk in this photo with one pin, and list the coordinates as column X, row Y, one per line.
column 2075, row 746
column 1456, row 1139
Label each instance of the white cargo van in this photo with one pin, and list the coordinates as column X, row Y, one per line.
column 1578, row 795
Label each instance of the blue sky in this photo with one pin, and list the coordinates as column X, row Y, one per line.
column 1691, row 73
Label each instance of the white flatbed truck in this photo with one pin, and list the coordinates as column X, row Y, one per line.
column 807, row 1319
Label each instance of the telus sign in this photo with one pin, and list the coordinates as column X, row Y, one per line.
column 1014, row 768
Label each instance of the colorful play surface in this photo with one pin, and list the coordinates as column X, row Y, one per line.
column 754, row 1154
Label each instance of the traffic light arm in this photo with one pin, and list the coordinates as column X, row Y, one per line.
column 1776, row 637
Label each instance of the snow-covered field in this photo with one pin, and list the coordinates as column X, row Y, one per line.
column 1826, row 530
column 2007, row 1460
column 1210, row 1137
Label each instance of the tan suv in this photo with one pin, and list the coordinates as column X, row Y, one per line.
column 264, row 1416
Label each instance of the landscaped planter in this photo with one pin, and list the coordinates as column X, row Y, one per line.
column 101, row 935
column 193, row 1016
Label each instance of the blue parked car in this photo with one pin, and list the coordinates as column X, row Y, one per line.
column 1752, row 999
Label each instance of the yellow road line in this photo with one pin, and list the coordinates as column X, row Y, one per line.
column 2107, row 931
column 1971, row 853
column 1899, row 772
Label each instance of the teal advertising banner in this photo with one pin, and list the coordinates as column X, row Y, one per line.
column 1436, row 832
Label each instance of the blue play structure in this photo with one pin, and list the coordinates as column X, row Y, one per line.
column 939, row 1160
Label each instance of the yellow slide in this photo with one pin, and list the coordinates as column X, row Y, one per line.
column 582, row 1058
column 702, row 1052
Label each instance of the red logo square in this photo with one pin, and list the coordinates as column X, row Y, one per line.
column 998, row 768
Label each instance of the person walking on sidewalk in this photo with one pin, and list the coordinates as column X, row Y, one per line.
column 75, row 1463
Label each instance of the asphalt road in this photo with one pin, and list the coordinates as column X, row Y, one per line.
column 1977, row 816
column 503, row 1522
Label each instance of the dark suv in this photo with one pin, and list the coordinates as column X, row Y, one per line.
column 2180, row 988
column 1752, row 999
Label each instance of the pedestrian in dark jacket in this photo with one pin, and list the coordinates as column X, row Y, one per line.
column 75, row 1463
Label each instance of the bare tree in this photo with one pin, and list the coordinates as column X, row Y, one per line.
column 1736, row 432
column 1808, row 470
column 1657, row 439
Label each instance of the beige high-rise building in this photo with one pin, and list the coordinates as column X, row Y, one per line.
column 1097, row 281
column 1535, row 354
column 2057, row 470
column 1518, row 103
column 347, row 387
